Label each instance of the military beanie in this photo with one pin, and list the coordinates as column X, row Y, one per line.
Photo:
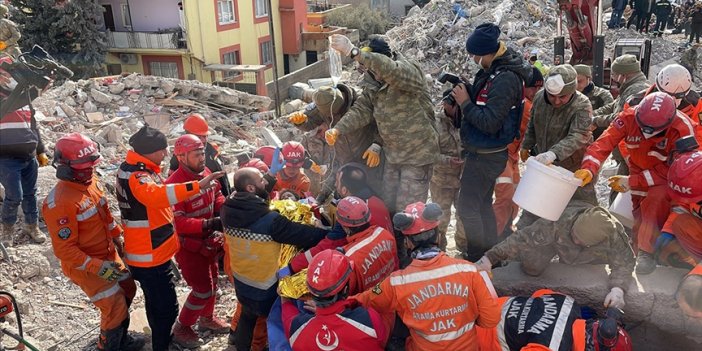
column 593, row 226
column 561, row 80
column 583, row 70
column 328, row 100
column 484, row 40
column 626, row 64
column 148, row 140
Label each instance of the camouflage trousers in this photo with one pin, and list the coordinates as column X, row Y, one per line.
column 405, row 184
column 447, row 197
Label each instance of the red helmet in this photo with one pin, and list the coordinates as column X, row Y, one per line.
column 265, row 154
column 187, row 143
column 328, row 273
column 256, row 163
column 293, row 154
column 655, row 113
column 196, row 124
column 77, row 151
column 684, row 178
column 417, row 218
column 618, row 341
column 352, row 212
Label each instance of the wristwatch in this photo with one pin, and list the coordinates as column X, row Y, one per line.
column 355, row 52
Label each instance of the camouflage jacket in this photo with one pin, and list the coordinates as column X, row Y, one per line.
column 445, row 173
column 401, row 108
column 9, row 32
column 554, row 238
column 604, row 115
column 598, row 96
column 316, row 119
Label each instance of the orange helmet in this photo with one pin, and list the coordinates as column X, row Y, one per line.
column 417, row 218
column 196, row 124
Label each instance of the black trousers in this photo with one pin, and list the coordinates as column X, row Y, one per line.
column 661, row 22
column 250, row 311
column 161, row 302
column 480, row 171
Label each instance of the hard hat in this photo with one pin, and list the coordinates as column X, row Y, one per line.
column 256, row 163
column 293, row 154
column 265, row 154
column 674, row 80
column 684, row 176
column 328, row 273
column 417, row 218
column 352, row 212
column 187, row 143
column 196, row 124
column 610, row 336
column 76, row 151
column 655, row 113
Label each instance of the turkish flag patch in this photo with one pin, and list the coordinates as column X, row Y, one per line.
column 619, row 123
column 62, row 221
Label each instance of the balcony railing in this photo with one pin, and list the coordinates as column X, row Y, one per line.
column 147, row 40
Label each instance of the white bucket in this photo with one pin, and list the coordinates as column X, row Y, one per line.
column 623, row 209
column 545, row 190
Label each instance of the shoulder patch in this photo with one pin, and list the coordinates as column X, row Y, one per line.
column 63, row 221
column 618, row 123
column 376, row 289
column 64, row 233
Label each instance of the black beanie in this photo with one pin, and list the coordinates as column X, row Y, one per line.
column 484, row 40
column 380, row 46
column 536, row 79
column 148, row 140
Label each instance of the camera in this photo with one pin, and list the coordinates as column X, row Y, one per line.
column 455, row 80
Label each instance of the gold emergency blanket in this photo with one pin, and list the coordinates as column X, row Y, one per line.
column 294, row 286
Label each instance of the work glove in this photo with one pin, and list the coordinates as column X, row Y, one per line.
column 43, row 160
column 297, row 118
column 314, row 167
column 584, row 175
column 212, row 224
column 341, row 43
column 372, row 155
column 109, row 271
column 615, row 298
column 276, row 164
column 484, row 264
column 331, row 135
column 209, row 181
column 284, row 272
column 546, row 158
column 663, row 240
column 3, row 45
column 619, row 183
column 524, row 155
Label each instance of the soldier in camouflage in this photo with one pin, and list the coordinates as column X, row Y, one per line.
column 582, row 235
column 446, row 176
column 9, row 34
column 598, row 96
column 627, row 75
column 398, row 101
column 558, row 130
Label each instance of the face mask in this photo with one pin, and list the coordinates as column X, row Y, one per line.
column 480, row 62
column 11, row 85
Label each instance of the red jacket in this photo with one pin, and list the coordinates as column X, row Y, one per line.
column 341, row 326
column 647, row 158
column 380, row 215
column 189, row 214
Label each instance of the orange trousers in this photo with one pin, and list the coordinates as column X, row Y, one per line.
column 505, row 186
column 260, row 336
column 688, row 230
column 650, row 214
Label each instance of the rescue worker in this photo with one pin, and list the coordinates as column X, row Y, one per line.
column 446, row 174
column 584, row 234
column 558, row 132
column 87, row 240
column 196, row 125
column 649, row 131
column 662, row 9
column 598, row 96
column 199, row 231
column 689, row 294
column 438, row 317
column 291, row 177
column 525, row 326
column 21, row 155
column 330, row 105
column 492, row 111
column 9, row 34
column 351, row 180
column 150, row 240
column 338, row 323
column 506, row 210
column 256, row 233
column 397, row 99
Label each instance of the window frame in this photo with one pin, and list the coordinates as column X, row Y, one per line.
column 234, row 18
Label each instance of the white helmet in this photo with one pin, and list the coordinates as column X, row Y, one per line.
column 674, row 80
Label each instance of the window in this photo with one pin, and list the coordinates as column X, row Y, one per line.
column 164, row 69
column 261, row 8
column 126, row 16
column 267, row 53
column 231, row 58
column 226, row 12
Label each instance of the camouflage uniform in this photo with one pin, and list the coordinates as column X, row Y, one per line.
column 446, row 179
column 604, row 115
column 403, row 112
column 598, row 96
column 536, row 245
column 688, row 59
column 10, row 35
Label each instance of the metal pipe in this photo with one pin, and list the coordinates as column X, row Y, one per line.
column 271, row 29
column 599, row 17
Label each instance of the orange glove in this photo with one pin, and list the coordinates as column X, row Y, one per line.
column 372, row 155
column 524, row 154
column 584, row 175
column 43, row 160
column 297, row 118
column 3, row 45
column 619, row 183
column 331, row 135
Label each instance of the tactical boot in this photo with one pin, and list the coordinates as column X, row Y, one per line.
column 7, row 233
column 110, row 340
column 131, row 342
column 213, row 324
column 33, row 231
column 186, row 336
column 645, row 264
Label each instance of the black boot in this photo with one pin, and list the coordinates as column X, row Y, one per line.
column 111, row 340
column 130, row 342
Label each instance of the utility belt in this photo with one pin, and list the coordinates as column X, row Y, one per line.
column 467, row 149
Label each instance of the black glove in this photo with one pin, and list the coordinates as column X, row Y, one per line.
column 212, row 224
